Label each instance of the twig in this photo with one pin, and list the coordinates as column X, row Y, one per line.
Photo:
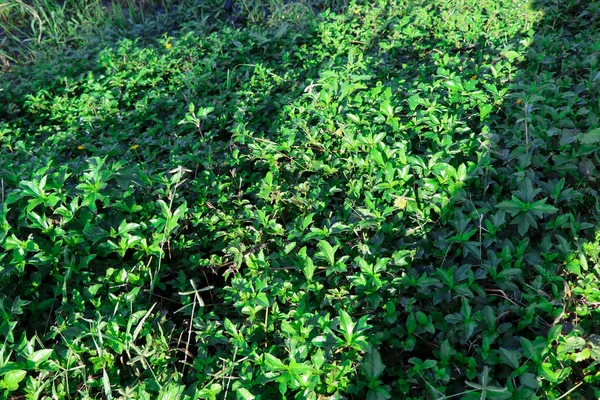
column 568, row 392
column 229, row 376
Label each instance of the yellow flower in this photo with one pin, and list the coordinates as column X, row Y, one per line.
column 80, row 147
column 135, row 146
column 168, row 45
column 400, row 203
column 519, row 102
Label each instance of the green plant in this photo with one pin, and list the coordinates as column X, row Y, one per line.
column 391, row 199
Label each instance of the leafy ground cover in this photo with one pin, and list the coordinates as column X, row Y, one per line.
column 391, row 199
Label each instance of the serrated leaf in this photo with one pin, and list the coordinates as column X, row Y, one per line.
column 510, row 357
column 529, row 380
column 513, row 206
column 591, row 137
column 372, row 364
column 541, row 207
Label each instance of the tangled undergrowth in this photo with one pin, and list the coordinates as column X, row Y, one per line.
column 380, row 200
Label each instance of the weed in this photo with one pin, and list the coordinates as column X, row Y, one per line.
column 270, row 199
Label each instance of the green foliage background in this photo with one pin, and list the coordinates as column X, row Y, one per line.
column 260, row 200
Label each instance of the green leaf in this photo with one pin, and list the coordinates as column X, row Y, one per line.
column 428, row 364
column 513, row 206
column 555, row 332
column 387, row 110
column 125, row 227
column 572, row 344
column 510, row 357
column 541, row 207
column 379, row 393
column 591, row 137
column 106, row 385
column 40, row 356
column 244, row 394
column 485, row 110
column 510, row 55
column 493, row 389
column 327, row 252
column 230, row 327
column 529, row 380
column 453, row 85
column 262, row 299
column 210, row 392
column 354, row 118
column 573, row 265
column 307, row 265
column 273, row 363
column 289, row 247
column 372, row 364
column 140, row 325
column 533, row 350
column 173, row 391
column 547, row 370
column 12, row 378
column 377, row 157
column 166, row 211
column 465, row 308
column 180, row 211
column 347, row 326
column 299, row 369
column 411, row 323
column 306, row 221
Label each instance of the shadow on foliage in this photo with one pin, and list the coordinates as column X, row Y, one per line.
column 272, row 98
